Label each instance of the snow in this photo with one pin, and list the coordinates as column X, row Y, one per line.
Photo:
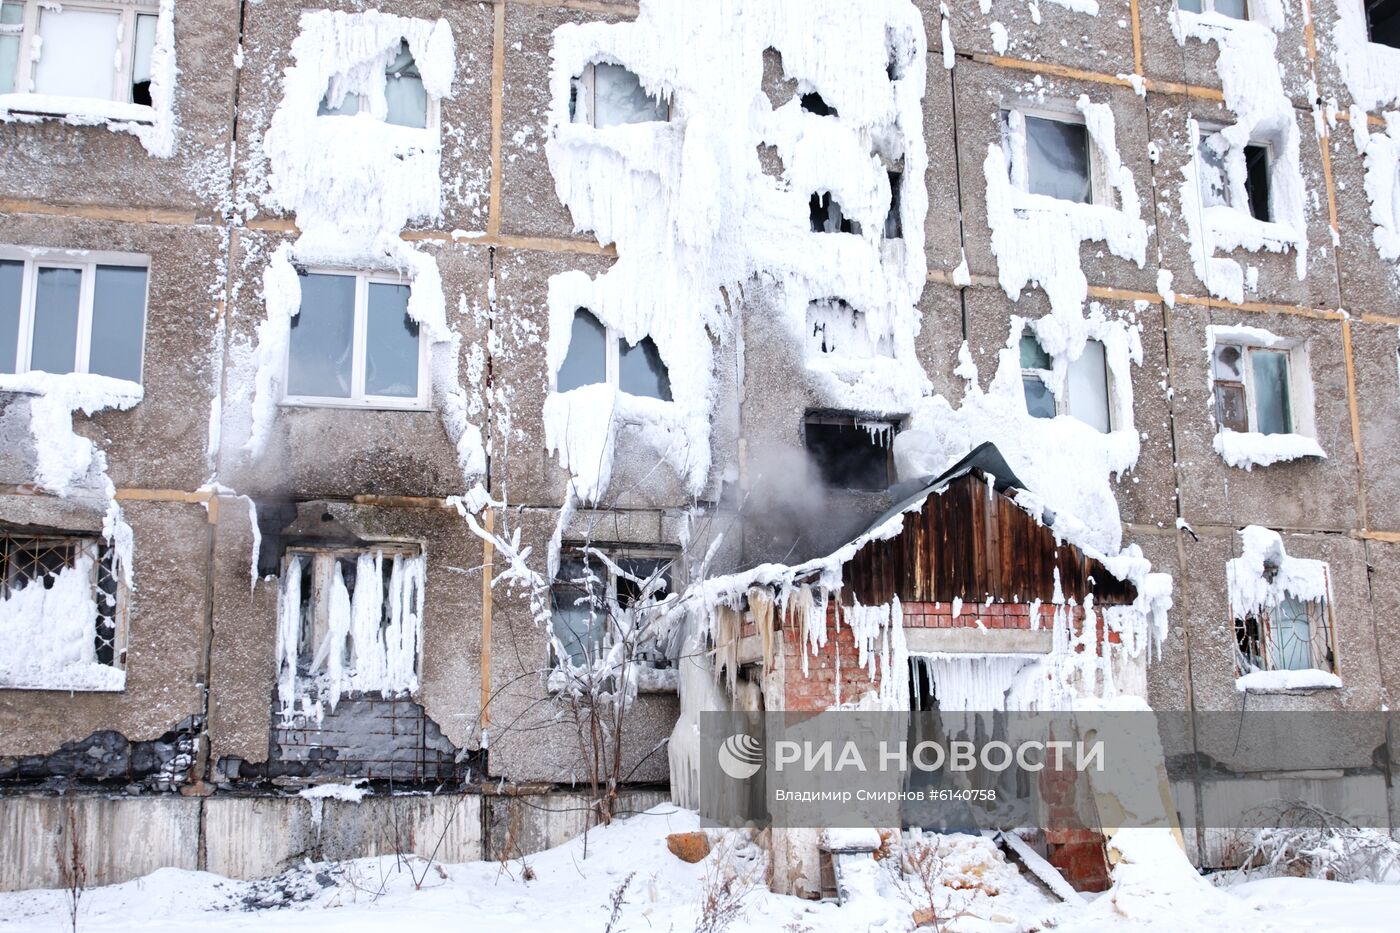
column 1248, row 449
column 1287, row 680
column 571, row 887
column 348, row 793
column 694, row 218
column 1370, row 70
column 1382, row 159
column 153, row 125
column 1249, row 588
column 49, row 634
column 1253, row 90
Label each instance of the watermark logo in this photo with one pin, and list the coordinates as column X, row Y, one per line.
column 740, row 756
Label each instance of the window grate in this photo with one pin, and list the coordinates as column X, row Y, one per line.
column 27, row 560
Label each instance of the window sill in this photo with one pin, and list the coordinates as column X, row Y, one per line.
column 352, row 405
column 81, row 110
column 103, row 680
column 1249, row 450
column 1288, row 683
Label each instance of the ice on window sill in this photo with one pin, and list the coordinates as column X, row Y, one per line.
column 1279, row 681
column 1235, row 229
column 83, row 111
column 657, row 679
column 1247, row 450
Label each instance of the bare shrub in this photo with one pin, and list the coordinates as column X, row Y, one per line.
column 1307, row 841
column 618, row 898
column 922, row 868
column 727, row 886
column 72, row 865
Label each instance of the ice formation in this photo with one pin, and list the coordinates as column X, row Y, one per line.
column 153, row 124
column 1248, row 449
column 386, row 176
column 1251, row 589
column 694, row 217
column 1371, row 70
column 1254, row 92
column 1382, row 158
column 49, row 633
column 371, row 641
column 1036, row 238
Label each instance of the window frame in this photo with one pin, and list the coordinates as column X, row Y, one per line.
column 1208, row 6
column 357, row 399
column 1018, row 156
column 104, row 561
column 612, row 359
column 615, row 553
column 1062, row 399
column 584, row 84
column 26, row 67
column 1322, row 650
column 1206, row 130
column 1299, row 398
column 432, row 116
column 86, row 261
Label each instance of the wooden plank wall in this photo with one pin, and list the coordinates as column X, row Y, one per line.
column 978, row 547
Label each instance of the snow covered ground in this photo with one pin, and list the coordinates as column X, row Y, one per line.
column 572, row 888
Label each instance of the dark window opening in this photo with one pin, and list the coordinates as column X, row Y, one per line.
column 586, row 362
column 1256, row 181
column 812, row 102
column 1383, row 22
column 588, row 598
column 894, row 225
column 641, row 372
column 851, row 454
column 826, row 216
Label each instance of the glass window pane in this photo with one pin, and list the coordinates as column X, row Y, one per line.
column 1033, row 355
column 1228, row 363
column 586, row 362
column 1088, row 387
column 618, row 97
column 349, row 105
column 11, row 14
column 1214, row 181
column 1271, row 402
column 407, row 100
column 1230, row 409
column 391, row 343
column 1291, row 636
column 572, row 599
column 323, row 338
column 1039, row 402
column 1057, row 159
column 118, row 322
column 1235, row 9
column 641, row 372
column 11, row 291
column 78, row 55
column 1192, row 6
column 56, row 320
column 141, row 59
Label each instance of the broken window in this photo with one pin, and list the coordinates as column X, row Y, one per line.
column 353, row 342
column 1235, row 9
column 84, row 314
column 826, row 215
column 1383, row 22
column 610, row 95
column 406, row 101
column 1217, row 181
column 99, row 49
column 61, row 613
column 598, row 354
column 851, row 452
column 894, row 224
column 349, row 624
column 1293, row 635
column 601, row 597
column 1253, row 388
column 833, row 326
column 1086, row 393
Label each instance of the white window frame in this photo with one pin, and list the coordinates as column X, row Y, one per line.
column 1062, row 399
column 87, row 262
column 1300, row 395
column 1018, row 156
column 1208, row 6
column 358, row 399
column 583, row 86
column 26, row 66
column 432, row 119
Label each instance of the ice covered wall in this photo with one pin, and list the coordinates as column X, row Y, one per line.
column 1248, row 449
column 384, row 177
column 153, row 125
column 1253, row 89
column 1381, row 152
column 694, row 217
column 1371, row 70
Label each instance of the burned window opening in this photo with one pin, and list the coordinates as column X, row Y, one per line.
column 813, row 103
column 62, row 610
column 1383, row 22
column 641, row 372
column 1256, row 182
column 595, row 596
column 894, row 223
column 850, row 452
column 835, row 327
column 827, row 216
column 109, row 760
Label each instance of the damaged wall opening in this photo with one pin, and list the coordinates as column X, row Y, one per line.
column 599, row 593
column 834, row 327
column 894, row 224
column 827, row 217
column 1383, row 22
column 609, row 95
column 599, row 354
column 813, row 103
column 851, row 452
column 62, row 613
column 1294, row 635
column 1218, row 185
